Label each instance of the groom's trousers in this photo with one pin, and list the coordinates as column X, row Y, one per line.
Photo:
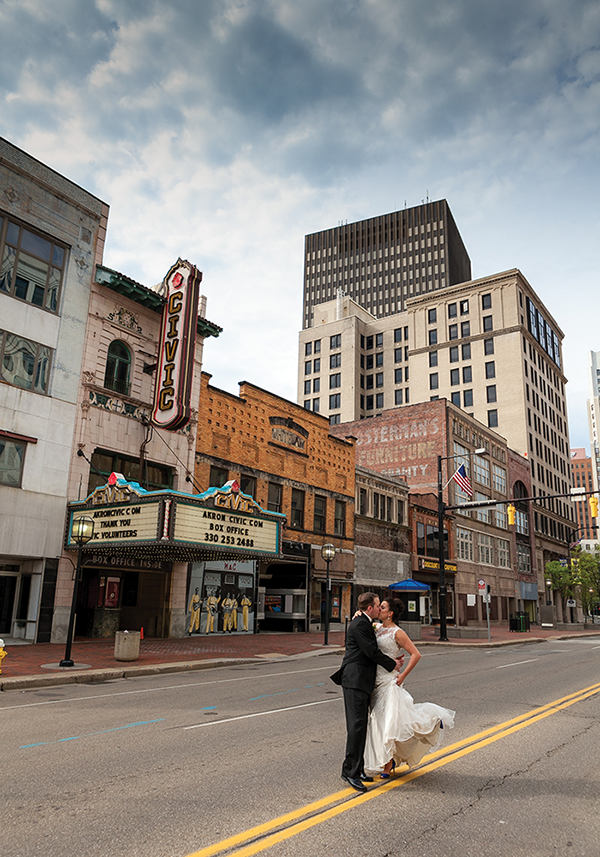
column 356, row 707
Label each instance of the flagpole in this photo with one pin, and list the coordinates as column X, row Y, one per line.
column 442, row 584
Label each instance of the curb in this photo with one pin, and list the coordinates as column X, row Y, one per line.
column 111, row 673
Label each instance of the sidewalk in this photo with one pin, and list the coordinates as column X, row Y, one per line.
column 37, row 665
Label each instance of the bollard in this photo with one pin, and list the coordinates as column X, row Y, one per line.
column 127, row 645
column 3, row 654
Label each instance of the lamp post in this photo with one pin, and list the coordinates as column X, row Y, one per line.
column 81, row 533
column 441, row 508
column 328, row 553
column 548, row 592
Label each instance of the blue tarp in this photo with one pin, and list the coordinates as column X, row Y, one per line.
column 410, row 586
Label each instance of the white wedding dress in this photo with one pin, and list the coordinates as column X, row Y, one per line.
column 399, row 728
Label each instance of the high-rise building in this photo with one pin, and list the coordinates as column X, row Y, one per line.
column 383, row 261
column 582, row 471
column 593, row 406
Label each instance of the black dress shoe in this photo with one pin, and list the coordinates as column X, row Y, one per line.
column 356, row 784
column 366, row 779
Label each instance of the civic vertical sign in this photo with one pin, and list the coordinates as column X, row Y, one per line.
column 175, row 365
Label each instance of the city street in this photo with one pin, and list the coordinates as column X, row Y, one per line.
column 245, row 759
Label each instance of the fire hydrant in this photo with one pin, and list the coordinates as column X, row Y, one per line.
column 3, row 654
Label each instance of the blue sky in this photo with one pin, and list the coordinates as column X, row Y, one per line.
column 225, row 131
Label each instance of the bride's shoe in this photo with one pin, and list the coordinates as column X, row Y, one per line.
column 386, row 774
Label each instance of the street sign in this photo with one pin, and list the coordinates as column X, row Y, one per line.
column 487, row 598
column 481, row 584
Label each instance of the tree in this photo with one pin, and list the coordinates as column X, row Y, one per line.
column 580, row 579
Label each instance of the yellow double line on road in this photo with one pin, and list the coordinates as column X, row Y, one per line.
column 260, row 838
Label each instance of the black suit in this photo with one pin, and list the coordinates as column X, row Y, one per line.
column 357, row 677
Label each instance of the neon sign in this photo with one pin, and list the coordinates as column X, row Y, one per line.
column 176, row 345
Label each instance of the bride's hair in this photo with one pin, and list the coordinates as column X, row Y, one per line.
column 397, row 608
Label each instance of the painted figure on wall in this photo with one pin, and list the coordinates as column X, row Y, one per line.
column 212, row 602
column 246, row 604
column 234, row 612
column 227, row 606
column 194, row 610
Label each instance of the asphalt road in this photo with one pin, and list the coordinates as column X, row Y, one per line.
column 174, row 764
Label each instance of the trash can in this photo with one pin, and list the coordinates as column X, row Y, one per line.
column 127, row 645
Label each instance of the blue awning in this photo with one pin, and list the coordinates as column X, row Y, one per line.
column 410, row 586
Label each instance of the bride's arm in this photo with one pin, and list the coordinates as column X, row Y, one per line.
column 407, row 644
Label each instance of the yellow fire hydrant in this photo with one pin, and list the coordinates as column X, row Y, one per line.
column 3, row 654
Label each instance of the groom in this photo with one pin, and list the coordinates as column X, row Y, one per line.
column 357, row 677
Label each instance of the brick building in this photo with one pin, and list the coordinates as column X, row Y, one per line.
column 582, row 475
column 405, row 443
column 285, row 458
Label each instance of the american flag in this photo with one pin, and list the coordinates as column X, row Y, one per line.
column 461, row 478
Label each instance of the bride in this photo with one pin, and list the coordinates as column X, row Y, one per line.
column 399, row 729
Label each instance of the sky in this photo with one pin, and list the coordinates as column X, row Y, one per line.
column 224, row 131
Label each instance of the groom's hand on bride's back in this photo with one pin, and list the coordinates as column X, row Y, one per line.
column 399, row 662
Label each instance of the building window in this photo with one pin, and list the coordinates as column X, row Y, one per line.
column 297, row 517
column 369, row 343
column 32, row 266
column 317, row 346
column 397, row 376
column 466, row 351
column 501, row 516
column 492, row 418
column 307, row 388
column 433, row 337
column 481, row 470
column 503, row 548
column 453, row 331
column 468, row 398
column 485, row 549
column 379, row 340
column 488, row 346
column 307, row 349
column 398, row 397
column 487, row 323
column 379, row 400
column 433, row 358
column 379, row 359
column 307, row 404
column 369, row 361
column 319, row 514
column 455, row 397
column 248, row 485
column 24, row 363
column 431, row 316
column 369, row 403
column 379, row 379
column 491, row 393
column 335, row 381
column 486, row 301
column 362, row 501
column 316, row 406
column 464, row 307
column 369, row 382
column 218, row 477
column 464, row 544
column 118, row 366
column 317, row 385
column 499, row 478
column 334, row 419
column 434, row 381
column 339, row 524
column 307, row 367
column 335, row 401
column 335, row 341
column 274, row 497
column 335, row 360
column 490, row 369
column 398, row 334
column 467, row 375
column 465, row 328
column 521, row 523
column 524, row 558
column 154, row 477
column 12, row 456
column 454, row 377
column 452, row 311
column 400, row 511
column 454, row 354
column 317, row 365
column 397, row 355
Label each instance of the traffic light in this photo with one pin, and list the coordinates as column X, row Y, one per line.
column 511, row 513
column 594, row 507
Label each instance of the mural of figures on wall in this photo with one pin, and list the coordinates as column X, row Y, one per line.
column 194, row 611
column 226, row 593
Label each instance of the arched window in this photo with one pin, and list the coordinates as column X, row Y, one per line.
column 118, row 364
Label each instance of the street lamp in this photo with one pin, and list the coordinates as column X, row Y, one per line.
column 82, row 531
column 328, row 553
column 441, row 508
column 548, row 592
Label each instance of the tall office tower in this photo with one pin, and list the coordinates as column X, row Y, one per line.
column 383, row 261
column 582, row 476
column 593, row 406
